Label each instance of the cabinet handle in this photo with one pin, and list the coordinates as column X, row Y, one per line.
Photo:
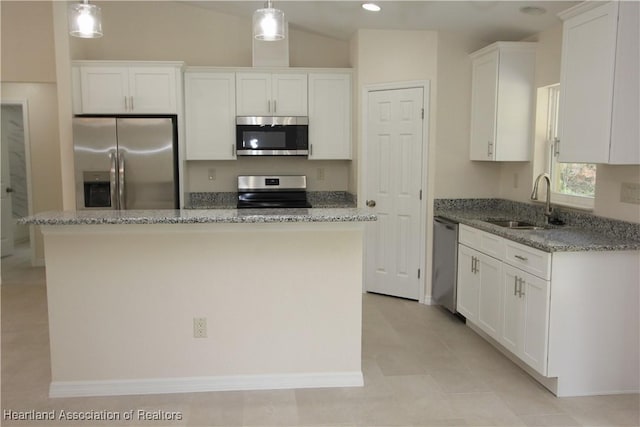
column 131, row 102
column 126, row 105
column 275, row 106
column 311, row 149
column 489, row 148
column 515, row 286
column 473, row 263
column 521, row 258
column 269, row 105
column 556, row 147
column 520, row 293
column 477, row 265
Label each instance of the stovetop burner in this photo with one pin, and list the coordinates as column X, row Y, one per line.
column 285, row 191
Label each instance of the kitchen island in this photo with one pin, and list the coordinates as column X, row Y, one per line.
column 202, row 300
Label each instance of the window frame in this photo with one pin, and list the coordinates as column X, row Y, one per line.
column 553, row 139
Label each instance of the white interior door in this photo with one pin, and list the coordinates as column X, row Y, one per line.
column 393, row 191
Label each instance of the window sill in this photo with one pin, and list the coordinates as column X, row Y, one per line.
column 574, row 202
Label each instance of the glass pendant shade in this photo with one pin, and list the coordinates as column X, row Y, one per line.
column 85, row 20
column 269, row 24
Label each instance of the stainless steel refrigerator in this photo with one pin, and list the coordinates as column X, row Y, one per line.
column 125, row 163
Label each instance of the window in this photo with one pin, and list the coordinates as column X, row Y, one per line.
column 572, row 184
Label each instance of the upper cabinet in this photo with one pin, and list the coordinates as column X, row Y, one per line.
column 502, row 101
column 329, row 116
column 210, row 113
column 271, row 94
column 599, row 84
column 126, row 88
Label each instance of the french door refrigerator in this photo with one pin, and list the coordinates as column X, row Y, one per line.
column 125, row 163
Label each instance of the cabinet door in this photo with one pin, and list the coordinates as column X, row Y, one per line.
column 586, row 85
column 210, row 111
column 535, row 328
column 105, row 90
column 484, row 95
column 289, row 92
column 253, row 94
column 625, row 127
column 467, row 298
column 489, row 294
column 152, row 90
column 511, row 309
column 525, row 317
column 330, row 116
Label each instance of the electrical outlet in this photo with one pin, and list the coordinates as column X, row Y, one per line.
column 320, row 174
column 630, row 193
column 212, row 174
column 199, row 327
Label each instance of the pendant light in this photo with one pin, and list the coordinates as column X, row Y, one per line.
column 85, row 20
column 268, row 23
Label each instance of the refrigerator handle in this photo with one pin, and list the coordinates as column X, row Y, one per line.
column 121, row 184
column 113, row 184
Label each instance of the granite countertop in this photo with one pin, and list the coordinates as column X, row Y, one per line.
column 198, row 216
column 567, row 238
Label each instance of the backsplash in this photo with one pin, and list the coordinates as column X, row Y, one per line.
column 535, row 213
column 228, row 200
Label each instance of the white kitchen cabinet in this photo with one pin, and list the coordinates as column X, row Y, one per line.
column 467, row 291
column 525, row 317
column 329, row 116
column 570, row 319
column 502, row 102
column 478, row 292
column 503, row 296
column 117, row 88
column 210, row 112
column 489, row 271
column 599, row 84
column 271, row 94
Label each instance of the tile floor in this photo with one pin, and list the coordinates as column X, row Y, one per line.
column 422, row 367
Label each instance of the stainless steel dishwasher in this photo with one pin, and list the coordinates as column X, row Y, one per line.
column 445, row 263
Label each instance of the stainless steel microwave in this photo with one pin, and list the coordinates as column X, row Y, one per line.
column 272, row 136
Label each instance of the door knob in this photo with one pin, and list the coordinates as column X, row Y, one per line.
column 371, row 203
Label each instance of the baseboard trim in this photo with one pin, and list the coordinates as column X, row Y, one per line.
column 204, row 384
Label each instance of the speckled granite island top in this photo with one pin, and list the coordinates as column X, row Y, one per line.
column 568, row 238
column 198, row 216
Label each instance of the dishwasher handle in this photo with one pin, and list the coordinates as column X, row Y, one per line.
column 450, row 225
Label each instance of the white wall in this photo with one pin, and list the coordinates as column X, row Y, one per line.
column 29, row 73
column 335, row 173
column 455, row 175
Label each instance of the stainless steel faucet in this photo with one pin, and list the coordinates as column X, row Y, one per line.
column 534, row 193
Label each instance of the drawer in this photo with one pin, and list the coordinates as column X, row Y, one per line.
column 482, row 241
column 469, row 236
column 528, row 259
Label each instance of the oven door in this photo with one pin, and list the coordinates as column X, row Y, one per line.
column 272, row 136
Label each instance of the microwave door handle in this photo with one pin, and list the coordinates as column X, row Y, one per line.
column 113, row 183
column 121, row 184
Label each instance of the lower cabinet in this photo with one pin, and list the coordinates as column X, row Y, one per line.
column 507, row 303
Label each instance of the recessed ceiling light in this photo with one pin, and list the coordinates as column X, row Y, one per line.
column 533, row 10
column 371, row 7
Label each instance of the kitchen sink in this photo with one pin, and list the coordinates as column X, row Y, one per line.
column 514, row 224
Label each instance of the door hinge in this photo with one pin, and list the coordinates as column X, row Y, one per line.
column 422, row 113
column 418, row 273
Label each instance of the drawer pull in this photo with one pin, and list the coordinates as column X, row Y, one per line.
column 521, row 258
column 515, row 286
